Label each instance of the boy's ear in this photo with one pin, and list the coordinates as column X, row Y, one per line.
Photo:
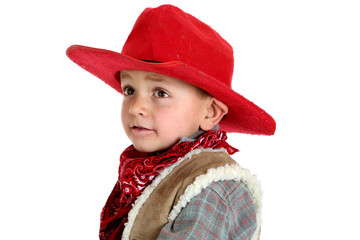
column 215, row 112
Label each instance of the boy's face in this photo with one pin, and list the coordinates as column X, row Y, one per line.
column 158, row 110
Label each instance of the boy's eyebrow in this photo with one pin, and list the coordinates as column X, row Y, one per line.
column 155, row 77
column 151, row 76
column 124, row 75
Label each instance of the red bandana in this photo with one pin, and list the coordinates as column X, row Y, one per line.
column 136, row 171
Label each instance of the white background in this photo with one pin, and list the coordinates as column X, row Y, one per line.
column 60, row 130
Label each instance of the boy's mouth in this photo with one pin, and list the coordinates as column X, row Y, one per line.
column 140, row 128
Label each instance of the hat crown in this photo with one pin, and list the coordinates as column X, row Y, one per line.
column 166, row 34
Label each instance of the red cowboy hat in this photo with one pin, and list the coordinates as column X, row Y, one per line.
column 168, row 41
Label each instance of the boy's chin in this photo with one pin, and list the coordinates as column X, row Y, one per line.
column 153, row 145
column 151, row 149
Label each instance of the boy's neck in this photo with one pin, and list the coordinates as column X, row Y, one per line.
column 192, row 138
column 196, row 135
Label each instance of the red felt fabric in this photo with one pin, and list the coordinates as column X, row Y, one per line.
column 188, row 50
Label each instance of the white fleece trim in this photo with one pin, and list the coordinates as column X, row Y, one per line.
column 149, row 189
column 226, row 172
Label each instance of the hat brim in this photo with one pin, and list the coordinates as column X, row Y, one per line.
column 243, row 116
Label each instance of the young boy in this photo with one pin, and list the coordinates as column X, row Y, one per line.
column 177, row 180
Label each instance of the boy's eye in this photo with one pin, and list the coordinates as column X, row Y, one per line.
column 161, row 93
column 128, row 91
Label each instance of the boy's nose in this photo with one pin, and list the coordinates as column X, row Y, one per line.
column 139, row 106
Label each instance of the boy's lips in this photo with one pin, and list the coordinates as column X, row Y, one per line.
column 141, row 128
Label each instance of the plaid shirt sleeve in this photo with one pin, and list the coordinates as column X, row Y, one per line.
column 224, row 210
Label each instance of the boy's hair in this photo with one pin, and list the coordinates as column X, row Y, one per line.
column 203, row 94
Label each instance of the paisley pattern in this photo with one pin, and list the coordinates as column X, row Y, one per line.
column 138, row 169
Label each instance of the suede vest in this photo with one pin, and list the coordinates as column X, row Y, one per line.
column 162, row 200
